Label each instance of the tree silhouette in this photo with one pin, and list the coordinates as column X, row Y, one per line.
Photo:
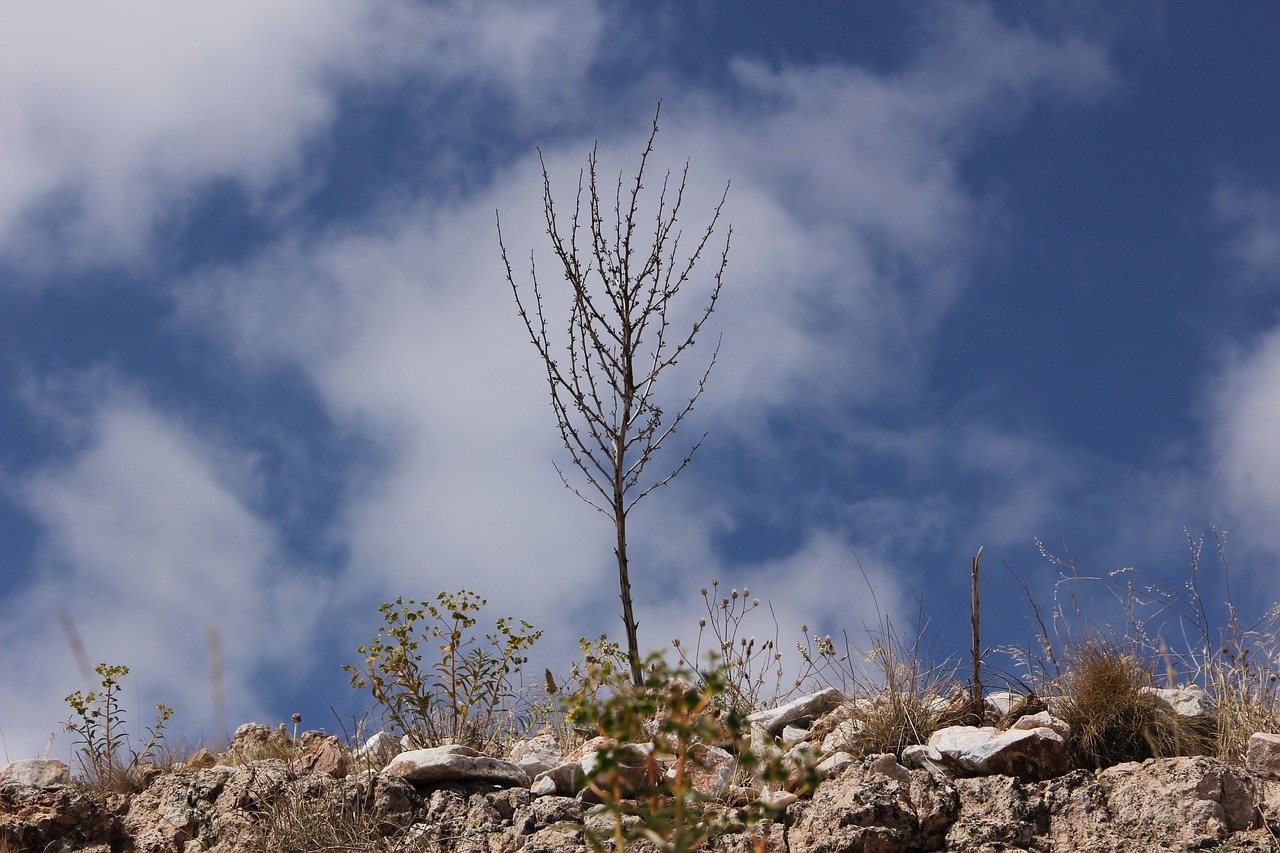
column 604, row 373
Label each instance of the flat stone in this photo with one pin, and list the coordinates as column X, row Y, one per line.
column 455, row 763
column 804, row 708
column 1030, row 754
column 835, row 762
column 36, row 773
column 1042, row 720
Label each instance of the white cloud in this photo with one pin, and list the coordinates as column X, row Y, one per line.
column 150, row 540
column 112, row 118
column 852, row 232
column 1246, row 409
column 1252, row 216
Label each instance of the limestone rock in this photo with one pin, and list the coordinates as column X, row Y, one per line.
column 792, row 735
column 62, row 818
column 1032, row 754
column 565, row 779
column 1169, row 803
column 886, row 766
column 544, row 786
column 1262, row 758
column 251, row 787
column 36, row 773
column 1001, row 702
column 804, row 708
column 1043, row 720
column 538, row 754
column 996, row 813
column 1079, row 817
column 710, row 770
column 202, row 759
column 328, row 757
column 378, row 750
column 843, row 736
column 917, row 757
column 860, row 811
column 1192, row 702
column 834, row 763
column 256, row 742
column 455, row 763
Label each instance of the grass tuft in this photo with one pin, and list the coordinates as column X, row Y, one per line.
column 1106, row 696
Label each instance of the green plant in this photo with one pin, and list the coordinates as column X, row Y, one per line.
column 752, row 670
column 650, row 792
column 464, row 695
column 107, row 755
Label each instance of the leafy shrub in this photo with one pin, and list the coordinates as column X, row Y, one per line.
column 107, row 756
column 678, row 711
column 463, row 696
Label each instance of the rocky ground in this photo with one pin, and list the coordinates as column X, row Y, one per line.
column 970, row 790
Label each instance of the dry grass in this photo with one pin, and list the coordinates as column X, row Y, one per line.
column 1100, row 672
column 900, row 697
column 1105, row 695
column 311, row 819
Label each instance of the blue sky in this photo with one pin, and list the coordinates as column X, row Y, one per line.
column 997, row 273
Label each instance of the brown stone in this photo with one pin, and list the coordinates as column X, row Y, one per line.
column 1262, row 757
column 328, row 757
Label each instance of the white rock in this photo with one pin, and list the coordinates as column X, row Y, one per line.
column 1001, row 702
column 846, row 733
column 379, row 749
column 1192, row 702
column 1043, row 720
column 543, row 786
column 804, row 708
column 835, row 762
column 792, row 735
column 1029, row 754
column 537, row 755
column 887, row 766
column 778, row 799
column 36, row 773
column 454, row 762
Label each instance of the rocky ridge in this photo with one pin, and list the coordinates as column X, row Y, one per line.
column 969, row 790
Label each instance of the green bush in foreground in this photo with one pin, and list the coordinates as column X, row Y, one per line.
column 680, row 713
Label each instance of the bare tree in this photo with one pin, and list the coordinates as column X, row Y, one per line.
column 603, row 375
